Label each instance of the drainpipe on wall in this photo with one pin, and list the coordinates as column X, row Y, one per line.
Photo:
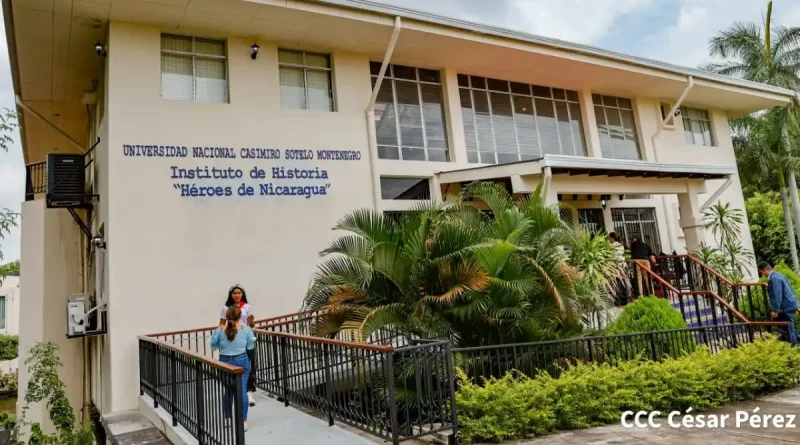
column 370, row 117
column 661, row 124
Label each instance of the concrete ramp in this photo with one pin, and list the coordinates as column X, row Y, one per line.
column 269, row 423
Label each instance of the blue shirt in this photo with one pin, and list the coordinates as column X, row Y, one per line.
column 244, row 341
column 781, row 295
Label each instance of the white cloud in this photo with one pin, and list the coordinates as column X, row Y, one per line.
column 574, row 20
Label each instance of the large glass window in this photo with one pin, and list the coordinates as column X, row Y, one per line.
column 509, row 121
column 305, row 80
column 617, row 127
column 409, row 114
column 697, row 127
column 193, row 69
column 405, row 188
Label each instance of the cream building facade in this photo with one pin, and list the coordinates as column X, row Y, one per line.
column 223, row 140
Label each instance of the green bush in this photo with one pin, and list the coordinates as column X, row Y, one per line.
column 9, row 347
column 647, row 314
column 518, row 407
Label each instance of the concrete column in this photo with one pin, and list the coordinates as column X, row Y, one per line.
column 691, row 220
column 452, row 114
column 589, row 121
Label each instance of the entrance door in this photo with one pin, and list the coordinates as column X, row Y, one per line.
column 639, row 222
column 591, row 220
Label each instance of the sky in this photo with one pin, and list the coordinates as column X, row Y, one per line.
column 675, row 31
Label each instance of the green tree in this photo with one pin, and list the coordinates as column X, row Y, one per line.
column 11, row 268
column 767, row 54
column 8, row 126
column 9, row 347
column 725, row 223
column 770, row 239
column 448, row 270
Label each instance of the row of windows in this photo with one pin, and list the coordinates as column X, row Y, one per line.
column 503, row 121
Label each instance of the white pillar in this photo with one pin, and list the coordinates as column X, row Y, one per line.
column 452, row 111
column 589, row 123
column 691, row 220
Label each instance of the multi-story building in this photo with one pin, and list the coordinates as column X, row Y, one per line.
column 223, row 139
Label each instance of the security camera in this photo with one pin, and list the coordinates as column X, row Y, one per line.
column 98, row 243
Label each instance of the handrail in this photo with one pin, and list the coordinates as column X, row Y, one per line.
column 210, row 361
column 713, row 272
column 719, row 299
column 327, row 341
column 211, row 328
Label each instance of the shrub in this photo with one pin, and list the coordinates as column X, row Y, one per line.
column 646, row 315
column 9, row 347
column 584, row 395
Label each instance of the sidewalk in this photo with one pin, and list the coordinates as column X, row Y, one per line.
column 785, row 402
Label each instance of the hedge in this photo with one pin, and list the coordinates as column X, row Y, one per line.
column 585, row 395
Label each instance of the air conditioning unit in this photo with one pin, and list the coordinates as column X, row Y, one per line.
column 66, row 180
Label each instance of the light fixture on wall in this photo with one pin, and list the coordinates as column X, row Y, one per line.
column 98, row 242
column 604, row 201
column 254, row 51
column 100, row 49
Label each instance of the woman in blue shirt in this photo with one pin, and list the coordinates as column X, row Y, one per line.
column 233, row 341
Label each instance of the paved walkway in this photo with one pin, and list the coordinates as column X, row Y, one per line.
column 272, row 423
column 785, row 402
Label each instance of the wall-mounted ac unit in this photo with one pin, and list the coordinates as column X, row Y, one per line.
column 66, row 180
column 85, row 316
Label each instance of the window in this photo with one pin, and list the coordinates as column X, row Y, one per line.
column 305, row 80
column 591, row 220
column 409, row 114
column 405, row 188
column 665, row 108
column 2, row 312
column 697, row 127
column 616, row 126
column 193, row 69
column 509, row 121
column 637, row 222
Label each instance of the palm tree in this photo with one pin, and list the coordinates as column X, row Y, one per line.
column 449, row 270
column 753, row 54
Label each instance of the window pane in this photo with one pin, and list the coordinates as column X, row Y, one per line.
column 541, row 91
column 211, row 83
column 526, row 125
column 505, row 136
column 631, row 146
column 487, row 157
column 483, row 121
column 385, row 152
column 405, row 188
column 433, row 114
column 463, row 80
column 478, row 82
column 436, row 155
column 413, row 154
column 404, row 72
column 572, row 96
column 472, row 157
column 211, row 47
column 707, row 136
column 411, row 136
column 520, row 88
column 468, row 118
column 385, row 116
column 408, row 103
column 292, row 88
column 559, row 94
column 375, row 69
column 505, row 158
column 548, row 129
column 318, row 60
column 577, row 128
column 176, row 43
column 292, row 57
column 428, row 75
column 176, row 77
column 319, row 90
column 564, row 128
column 498, row 85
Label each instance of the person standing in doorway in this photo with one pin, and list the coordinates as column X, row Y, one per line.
column 238, row 297
column 643, row 255
column 782, row 299
column 233, row 341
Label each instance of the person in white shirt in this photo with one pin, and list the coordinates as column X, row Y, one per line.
column 238, row 297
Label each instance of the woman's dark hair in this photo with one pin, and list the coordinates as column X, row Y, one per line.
column 232, row 316
column 229, row 301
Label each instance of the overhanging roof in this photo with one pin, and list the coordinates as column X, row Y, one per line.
column 573, row 165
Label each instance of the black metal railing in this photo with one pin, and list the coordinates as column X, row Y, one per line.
column 554, row 356
column 686, row 272
column 35, row 180
column 201, row 394
column 395, row 394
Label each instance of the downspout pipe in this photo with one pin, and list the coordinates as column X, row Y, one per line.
column 370, row 116
column 661, row 125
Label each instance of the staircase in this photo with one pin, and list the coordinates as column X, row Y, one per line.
column 702, row 295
